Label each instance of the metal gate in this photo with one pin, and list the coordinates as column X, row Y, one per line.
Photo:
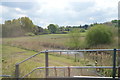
column 47, row 67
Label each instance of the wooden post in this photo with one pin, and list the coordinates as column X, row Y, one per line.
column 101, row 62
column 60, row 53
column 75, row 57
column 17, row 71
column 84, row 57
column 68, row 71
column 96, row 58
column 96, row 61
column 93, row 55
column 81, row 72
column 68, row 55
column 101, row 58
column 64, row 72
column 55, row 71
column 46, row 64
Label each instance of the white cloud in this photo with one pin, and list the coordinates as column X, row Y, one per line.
column 9, row 13
column 4, row 9
column 92, row 18
column 63, row 12
column 20, row 10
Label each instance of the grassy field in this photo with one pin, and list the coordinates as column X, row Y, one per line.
column 17, row 49
column 39, row 43
column 12, row 55
column 50, row 41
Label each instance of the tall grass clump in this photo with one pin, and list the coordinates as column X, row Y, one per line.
column 74, row 40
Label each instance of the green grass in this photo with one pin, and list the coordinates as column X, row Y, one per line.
column 40, row 42
column 48, row 41
column 13, row 55
column 17, row 49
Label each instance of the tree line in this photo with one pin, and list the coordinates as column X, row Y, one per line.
column 24, row 27
column 18, row 27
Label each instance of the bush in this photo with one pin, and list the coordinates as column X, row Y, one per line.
column 99, row 35
column 74, row 40
column 82, row 30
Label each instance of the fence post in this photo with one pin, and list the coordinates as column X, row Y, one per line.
column 68, row 55
column 46, row 64
column 96, row 59
column 68, row 71
column 75, row 57
column 17, row 71
column 60, row 53
column 55, row 71
column 64, row 72
column 114, row 64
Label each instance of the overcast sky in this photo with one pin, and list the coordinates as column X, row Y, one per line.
column 61, row 12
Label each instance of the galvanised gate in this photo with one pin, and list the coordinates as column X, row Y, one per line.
column 47, row 67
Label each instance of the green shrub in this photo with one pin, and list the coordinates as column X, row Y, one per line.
column 99, row 35
column 74, row 40
column 82, row 30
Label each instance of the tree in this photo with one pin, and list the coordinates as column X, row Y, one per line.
column 114, row 21
column 74, row 40
column 68, row 28
column 98, row 35
column 12, row 28
column 62, row 28
column 35, row 30
column 18, row 27
column 26, row 24
column 85, row 26
column 46, row 31
column 80, row 26
column 40, row 29
column 52, row 28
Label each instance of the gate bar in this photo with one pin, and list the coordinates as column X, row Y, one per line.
column 72, row 67
column 46, row 64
